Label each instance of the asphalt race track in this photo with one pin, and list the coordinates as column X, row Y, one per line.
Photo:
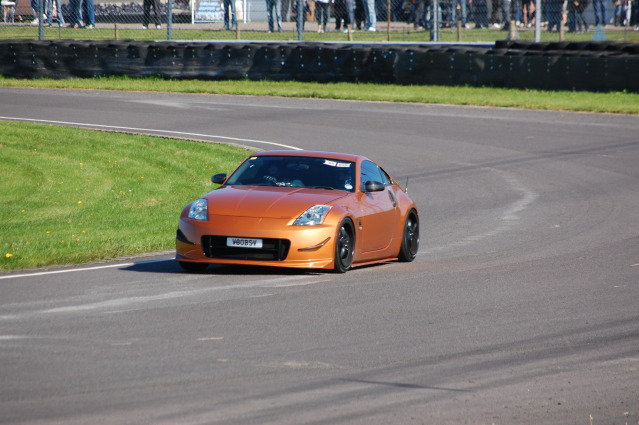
column 521, row 308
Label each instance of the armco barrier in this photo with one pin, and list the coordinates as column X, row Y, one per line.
column 592, row 66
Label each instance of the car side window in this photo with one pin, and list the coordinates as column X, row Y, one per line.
column 385, row 177
column 371, row 172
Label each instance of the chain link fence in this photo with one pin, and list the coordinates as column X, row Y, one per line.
column 323, row 20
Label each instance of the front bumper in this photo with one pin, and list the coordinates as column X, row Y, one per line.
column 297, row 246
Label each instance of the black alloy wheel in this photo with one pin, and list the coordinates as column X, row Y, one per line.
column 344, row 245
column 410, row 239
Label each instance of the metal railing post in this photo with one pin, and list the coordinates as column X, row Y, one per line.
column 389, row 12
column 40, row 14
column 434, row 31
column 458, row 22
column 300, row 20
column 537, row 21
column 169, row 20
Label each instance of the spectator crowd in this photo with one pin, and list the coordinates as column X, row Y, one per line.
column 363, row 15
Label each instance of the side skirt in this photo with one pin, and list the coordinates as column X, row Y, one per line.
column 368, row 263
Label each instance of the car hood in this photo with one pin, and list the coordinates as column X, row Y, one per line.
column 267, row 201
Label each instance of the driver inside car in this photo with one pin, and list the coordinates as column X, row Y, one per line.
column 274, row 176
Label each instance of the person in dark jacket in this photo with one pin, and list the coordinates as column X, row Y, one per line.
column 576, row 20
column 146, row 15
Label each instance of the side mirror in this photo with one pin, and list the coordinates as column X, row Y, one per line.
column 372, row 186
column 219, row 178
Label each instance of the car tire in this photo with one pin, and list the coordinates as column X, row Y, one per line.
column 410, row 238
column 344, row 246
column 193, row 267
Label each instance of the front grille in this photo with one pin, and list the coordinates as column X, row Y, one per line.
column 272, row 249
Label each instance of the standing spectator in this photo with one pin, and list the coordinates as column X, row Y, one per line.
column 36, row 6
column 82, row 13
column 494, row 15
column 446, row 6
column 286, row 10
column 480, row 13
column 74, row 19
column 350, row 15
column 274, row 7
column 622, row 13
column 339, row 12
column 370, row 11
column 576, row 21
column 599, row 8
column 322, row 13
column 230, row 15
column 294, row 13
column 146, row 15
column 528, row 12
column 417, row 13
column 344, row 12
column 88, row 10
column 506, row 10
column 54, row 12
column 462, row 9
column 360, row 15
column 553, row 13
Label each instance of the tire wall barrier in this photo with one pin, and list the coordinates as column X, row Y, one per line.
column 591, row 66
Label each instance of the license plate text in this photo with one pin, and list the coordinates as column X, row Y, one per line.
column 244, row 242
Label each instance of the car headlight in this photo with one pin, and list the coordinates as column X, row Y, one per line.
column 199, row 210
column 313, row 216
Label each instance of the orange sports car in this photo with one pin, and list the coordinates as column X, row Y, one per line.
column 300, row 209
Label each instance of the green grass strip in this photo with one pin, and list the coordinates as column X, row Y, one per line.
column 71, row 196
column 617, row 102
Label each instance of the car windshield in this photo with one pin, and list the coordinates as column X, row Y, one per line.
column 295, row 171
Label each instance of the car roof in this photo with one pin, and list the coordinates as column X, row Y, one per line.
column 313, row 154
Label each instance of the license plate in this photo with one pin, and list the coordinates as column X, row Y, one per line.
column 244, row 242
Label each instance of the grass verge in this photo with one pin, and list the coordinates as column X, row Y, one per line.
column 617, row 102
column 71, row 195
